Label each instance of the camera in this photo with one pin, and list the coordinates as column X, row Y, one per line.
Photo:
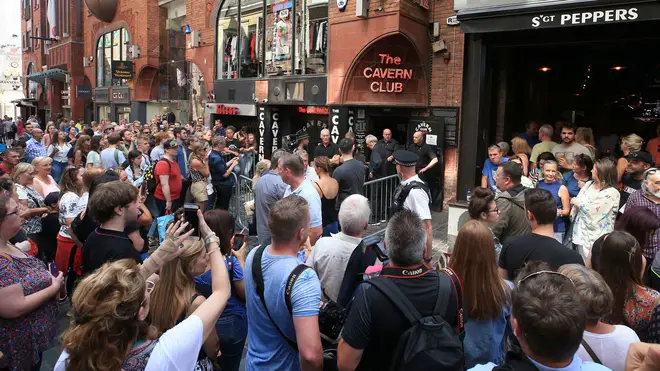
column 291, row 141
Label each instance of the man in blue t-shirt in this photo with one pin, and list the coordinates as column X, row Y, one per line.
column 288, row 222
column 292, row 170
column 495, row 158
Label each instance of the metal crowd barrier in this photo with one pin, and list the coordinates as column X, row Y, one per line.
column 380, row 193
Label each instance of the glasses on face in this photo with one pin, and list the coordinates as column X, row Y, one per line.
column 495, row 210
column 650, row 171
column 15, row 212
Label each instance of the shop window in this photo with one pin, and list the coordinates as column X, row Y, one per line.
column 112, row 46
column 227, row 41
column 251, row 34
column 32, row 85
column 315, row 37
column 279, row 37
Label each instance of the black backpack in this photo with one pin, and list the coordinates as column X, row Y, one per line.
column 150, row 176
column 402, row 192
column 430, row 343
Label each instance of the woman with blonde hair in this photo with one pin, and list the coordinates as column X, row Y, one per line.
column 629, row 144
column 174, row 297
column 33, row 203
column 44, row 183
column 199, row 173
column 522, row 150
column 486, row 295
column 108, row 327
column 585, row 136
column 259, row 170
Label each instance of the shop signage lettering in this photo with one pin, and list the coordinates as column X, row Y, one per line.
column 275, row 128
column 389, row 72
column 221, row 109
column 334, row 125
column 262, row 130
column 423, row 127
column 314, row 110
column 119, row 95
column 83, row 91
column 350, row 121
column 122, row 70
column 598, row 16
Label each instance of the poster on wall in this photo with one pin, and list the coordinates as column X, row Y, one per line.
column 281, row 35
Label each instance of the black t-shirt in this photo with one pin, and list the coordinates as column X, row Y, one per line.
column 375, row 324
column 233, row 144
column 330, row 151
column 628, row 186
column 425, row 153
column 104, row 245
column 518, row 250
column 350, row 176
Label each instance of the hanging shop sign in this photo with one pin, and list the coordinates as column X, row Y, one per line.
column 262, row 132
column 341, row 5
column 122, row 70
column 313, row 110
column 101, row 95
column 389, row 72
column 83, row 91
column 548, row 18
column 120, row 95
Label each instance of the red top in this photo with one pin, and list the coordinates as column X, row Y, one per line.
column 173, row 170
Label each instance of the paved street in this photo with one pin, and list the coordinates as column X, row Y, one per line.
column 439, row 246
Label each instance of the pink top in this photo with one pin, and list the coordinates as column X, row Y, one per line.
column 47, row 188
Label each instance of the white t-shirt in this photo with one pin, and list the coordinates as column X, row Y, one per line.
column 70, row 206
column 417, row 200
column 176, row 350
column 610, row 348
column 60, row 156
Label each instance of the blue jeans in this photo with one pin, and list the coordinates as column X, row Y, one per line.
column 58, row 169
column 232, row 331
column 330, row 228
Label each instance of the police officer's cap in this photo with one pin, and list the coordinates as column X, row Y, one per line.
column 405, row 158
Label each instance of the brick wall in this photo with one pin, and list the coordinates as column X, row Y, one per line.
column 447, row 81
column 201, row 15
column 34, row 56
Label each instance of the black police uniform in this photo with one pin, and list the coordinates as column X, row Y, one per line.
column 389, row 147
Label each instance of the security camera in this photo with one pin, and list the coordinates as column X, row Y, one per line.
column 265, row 101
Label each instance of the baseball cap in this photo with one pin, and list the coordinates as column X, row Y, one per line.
column 171, row 144
column 640, row 156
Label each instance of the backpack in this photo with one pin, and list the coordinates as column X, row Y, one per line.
column 430, row 343
column 402, row 192
column 150, row 178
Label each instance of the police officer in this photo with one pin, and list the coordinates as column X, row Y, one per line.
column 413, row 194
column 390, row 146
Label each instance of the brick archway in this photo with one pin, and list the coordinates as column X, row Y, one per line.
column 146, row 86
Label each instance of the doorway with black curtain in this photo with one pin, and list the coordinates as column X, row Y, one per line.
column 397, row 124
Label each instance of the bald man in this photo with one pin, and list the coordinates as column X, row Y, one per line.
column 327, row 148
column 427, row 157
column 389, row 145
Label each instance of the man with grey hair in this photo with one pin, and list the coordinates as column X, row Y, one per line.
column 330, row 255
column 327, row 148
column 269, row 189
column 378, row 160
column 546, row 144
column 649, row 197
column 374, row 325
column 220, row 170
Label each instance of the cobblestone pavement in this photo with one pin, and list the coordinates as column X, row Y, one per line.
column 439, row 247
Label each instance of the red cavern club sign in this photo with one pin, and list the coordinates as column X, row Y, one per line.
column 389, row 69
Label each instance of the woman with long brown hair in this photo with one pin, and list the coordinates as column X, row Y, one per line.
column 83, row 146
column 174, row 297
column 328, row 188
column 486, row 295
column 522, row 150
column 232, row 324
column 622, row 265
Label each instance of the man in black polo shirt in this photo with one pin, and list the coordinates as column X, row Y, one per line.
column 350, row 174
column 427, row 157
column 114, row 205
column 541, row 210
column 327, row 148
column 374, row 325
column 390, row 146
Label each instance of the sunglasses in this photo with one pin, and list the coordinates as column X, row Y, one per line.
column 543, row 272
column 650, row 171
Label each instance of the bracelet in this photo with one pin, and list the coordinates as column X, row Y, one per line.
column 212, row 234
column 210, row 240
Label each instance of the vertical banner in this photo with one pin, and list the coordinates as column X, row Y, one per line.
column 275, row 131
column 265, row 135
column 360, row 122
column 334, row 123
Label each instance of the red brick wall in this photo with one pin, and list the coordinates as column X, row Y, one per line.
column 35, row 56
column 447, row 81
column 145, row 22
column 201, row 15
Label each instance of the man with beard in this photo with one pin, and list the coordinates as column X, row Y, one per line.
column 649, row 197
column 303, row 143
column 568, row 148
column 638, row 163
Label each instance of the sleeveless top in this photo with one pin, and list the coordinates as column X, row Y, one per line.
column 328, row 208
column 195, row 175
column 553, row 187
column 47, row 188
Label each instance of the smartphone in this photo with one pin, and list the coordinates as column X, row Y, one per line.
column 190, row 215
column 239, row 238
column 54, row 269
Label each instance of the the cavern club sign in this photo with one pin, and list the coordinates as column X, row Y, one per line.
column 388, row 75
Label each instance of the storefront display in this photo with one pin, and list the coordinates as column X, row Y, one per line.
column 279, row 38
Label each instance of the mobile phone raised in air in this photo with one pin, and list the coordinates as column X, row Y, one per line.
column 54, row 269
column 190, row 215
column 239, row 239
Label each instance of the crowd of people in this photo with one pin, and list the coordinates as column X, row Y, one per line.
column 549, row 273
